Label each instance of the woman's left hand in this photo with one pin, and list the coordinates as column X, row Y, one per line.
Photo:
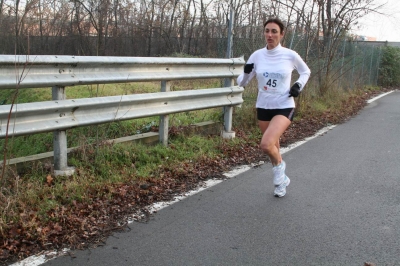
column 294, row 90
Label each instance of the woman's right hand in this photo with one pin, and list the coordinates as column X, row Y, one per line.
column 248, row 68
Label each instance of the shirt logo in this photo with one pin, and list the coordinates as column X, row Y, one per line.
column 265, row 74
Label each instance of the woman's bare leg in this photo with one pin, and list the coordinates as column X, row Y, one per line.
column 272, row 131
column 263, row 125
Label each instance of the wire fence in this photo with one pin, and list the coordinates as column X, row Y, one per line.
column 349, row 64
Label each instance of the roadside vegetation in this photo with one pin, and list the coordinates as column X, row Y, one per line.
column 115, row 183
column 390, row 67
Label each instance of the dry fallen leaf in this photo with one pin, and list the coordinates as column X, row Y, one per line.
column 49, row 179
column 57, row 227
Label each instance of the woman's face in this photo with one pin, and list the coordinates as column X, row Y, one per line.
column 273, row 35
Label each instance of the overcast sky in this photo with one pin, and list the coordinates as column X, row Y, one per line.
column 384, row 27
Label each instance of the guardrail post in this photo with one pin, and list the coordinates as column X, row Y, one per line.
column 60, row 140
column 164, row 119
column 227, row 133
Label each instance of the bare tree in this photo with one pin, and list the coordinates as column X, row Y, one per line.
column 160, row 27
column 98, row 13
column 336, row 18
column 1, row 7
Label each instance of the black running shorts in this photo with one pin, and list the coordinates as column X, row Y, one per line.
column 268, row 114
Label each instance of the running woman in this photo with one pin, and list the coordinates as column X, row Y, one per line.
column 273, row 67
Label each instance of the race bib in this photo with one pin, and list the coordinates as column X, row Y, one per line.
column 271, row 82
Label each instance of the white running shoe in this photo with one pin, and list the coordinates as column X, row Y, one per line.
column 280, row 190
column 279, row 173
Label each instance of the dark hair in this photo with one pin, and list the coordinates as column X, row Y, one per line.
column 276, row 21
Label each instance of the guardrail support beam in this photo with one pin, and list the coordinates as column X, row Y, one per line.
column 227, row 133
column 164, row 119
column 60, row 140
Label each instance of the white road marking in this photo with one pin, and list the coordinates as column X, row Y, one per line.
column 40, row 259
column 379, row 96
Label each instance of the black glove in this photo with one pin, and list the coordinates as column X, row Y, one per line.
column 294, row 90
column 248, row 68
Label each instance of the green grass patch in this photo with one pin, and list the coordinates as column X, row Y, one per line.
column 43, row 142
column 103, row 90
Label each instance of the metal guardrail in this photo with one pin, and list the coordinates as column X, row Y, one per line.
column 46, row 71
column 61, row 114
column 32, row 118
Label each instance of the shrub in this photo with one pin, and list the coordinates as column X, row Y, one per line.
column 389, row 71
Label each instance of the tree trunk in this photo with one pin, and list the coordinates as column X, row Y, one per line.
column 17, row 41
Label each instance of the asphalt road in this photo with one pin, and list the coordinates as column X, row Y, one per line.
column 342, row 208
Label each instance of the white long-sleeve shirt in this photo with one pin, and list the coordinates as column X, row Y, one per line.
column 273, row 70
